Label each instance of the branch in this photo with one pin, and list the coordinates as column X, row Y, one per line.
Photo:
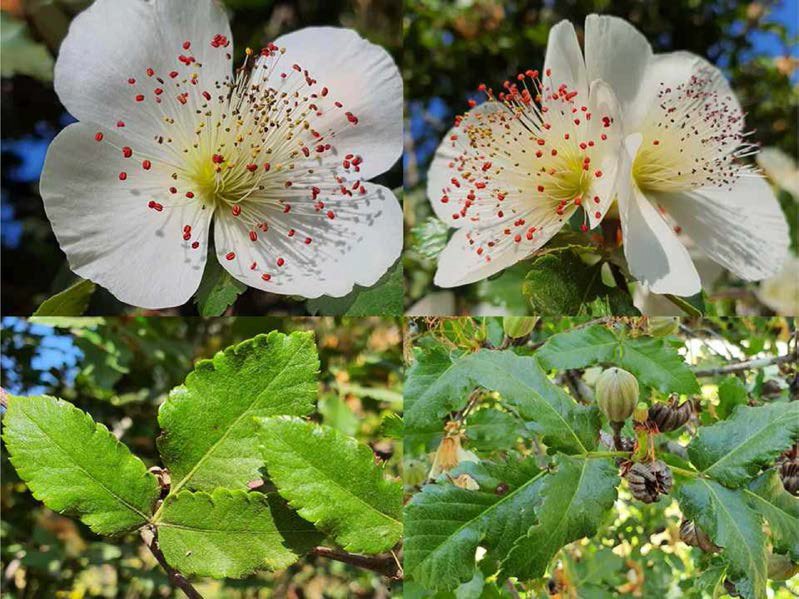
column 747, row 365
column 177, row 579
column 385, row 565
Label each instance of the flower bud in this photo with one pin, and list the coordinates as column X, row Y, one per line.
column 641, row 413
column 516, row 327
column 616, row 394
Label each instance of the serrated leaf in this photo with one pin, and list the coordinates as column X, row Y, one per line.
column 767, row 496
column 73, row 301
column 732, row 392
column 653, row 362
column 734, row 450
column 218, row 289
column 560, row 283
column 75, row 465
column 430, row 237
column 435, row 384
column 298, row 534
column 574, row 501
column 332, row 481
column 392, row 426
column 209, row 437
column 723, row 514
column 445, row 524
column 491, row 429
column 222, row 534
column 384, row 298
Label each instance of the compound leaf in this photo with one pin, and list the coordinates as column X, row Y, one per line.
column 574, row 501
column 209, row 435
column 734, row 450
column 723, row 514
column 768, row 497
column 76, row 465
column 444, row 524
column 222, row 534
column 332, row 481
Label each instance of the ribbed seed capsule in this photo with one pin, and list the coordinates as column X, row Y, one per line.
column 668, row 416
column 691, row 534
column 648, row 482
column 789, row 474
column 616, row 394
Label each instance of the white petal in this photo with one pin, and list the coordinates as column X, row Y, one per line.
column 603, row 102
column 743, row 228
column 364, row 78
column 654, row 254
column 564, row 61
column 106, row 229
column 617, row 53
column 114, row 40
column 356, row 247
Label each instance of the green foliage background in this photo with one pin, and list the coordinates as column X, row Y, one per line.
column 119, row 371
column 451, row 47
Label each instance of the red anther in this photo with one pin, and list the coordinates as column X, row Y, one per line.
column 554, row 152
column 132, row 81
column 529, row 235
column 187, row 229
column 123, row 175
column 656, row 142
column 357, row 160
column 598, row 173
column 181, row 98
column 307, row 241
column 206, row 95
column 500, row 196
column 471, row 103
column 570, row 95
column 331, row 215
column 263, row 226
column 186, row 236
column 486, row 166
column 583, row 227
column 217, row 159
column 98, row 136
column 351, row 118
column 280, row 262
column 195, row 245
column 540, row 141
column 339, row 104
column 235, row 210
column 266, row 166
column 541, row 188
column 455, row 182
column 189, row 194
column 590, row 143
column 120, row 124
column 549, row 72
column 158, row 91
column 306, row 151
column 583, row 145
column 286, row 208
column 324, row 92
column 603, row 137
column 254, row 265
column 173, row 74
column 296, row 67
column 140, row 98
column 596, row 199
column 500, row 214
column 186, row 45
column 678, row 229
column 127, row 152
column 266, row 276
column 230, row 255
column 576, row 121
column 291, row 233
column 146, row 164
column 173, row 190
column 252, row 167
column 597, row 214
column 517, row 238
column 253, row 236
column 538, row 153
column 346, row 164
column 150, row 72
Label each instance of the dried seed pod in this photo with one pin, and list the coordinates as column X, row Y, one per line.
column 616, row 394
column 667, row 417
column 649, row 481
column 691, row 534
column 464, row 481
column 789, row 473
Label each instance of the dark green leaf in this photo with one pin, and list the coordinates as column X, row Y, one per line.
column 430, row 237
column 491, row 429
column 768, row 497
column 578, row 348
column 73, row 301
column 392, row 426
column 732, row 392
column 384, row 298
column 218, row 289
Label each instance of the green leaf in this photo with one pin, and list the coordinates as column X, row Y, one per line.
column 77, row 466
column 299, row 535
column 768, row 497
column 445, row 524
column 392, row 426
column 218, row 289
column 693, row 305
column 430, row 237
column 503, row 289
column 222, row 534
column 435, row 384
column 332, row 481
column 574, row 501
column 69, row 322
column 734, row 450
column 73, row 301
column 20, row 53
column 209, row 437
column 560, row 283
column 732, row 392
column 337, row 414
column 578, row 348
column 384, row 298
column 491, row 429
column 723, row 514
column 653, row 362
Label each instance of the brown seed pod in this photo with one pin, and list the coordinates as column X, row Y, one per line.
column 691, row 534
column 789, row 473
column 649, row 481
column 668, row 416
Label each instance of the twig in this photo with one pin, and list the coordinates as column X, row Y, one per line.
column 385, row 565
column 747, row 365
column 150, row 539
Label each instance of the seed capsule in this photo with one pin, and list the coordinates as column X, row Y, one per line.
column 691, row 534
column 517, row 327
column 649, row 481
column 616, row 394
column 667, row 417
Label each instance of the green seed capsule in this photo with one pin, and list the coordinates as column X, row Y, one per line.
column 616, row 394
column 518, row 326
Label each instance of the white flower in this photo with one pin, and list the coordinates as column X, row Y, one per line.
column 514, row 169
column 168, row 137
column 781, row 292
column 684, row 132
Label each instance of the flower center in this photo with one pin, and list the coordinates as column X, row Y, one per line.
column 690, row 139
